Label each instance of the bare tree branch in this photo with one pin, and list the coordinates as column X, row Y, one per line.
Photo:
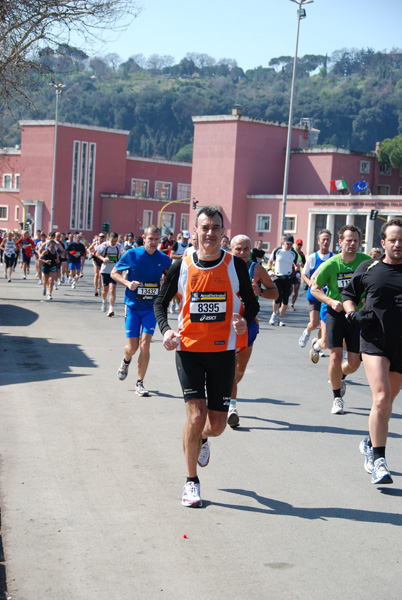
column 28, row 25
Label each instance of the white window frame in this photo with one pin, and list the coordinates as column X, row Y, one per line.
column 365, row 167
column 164, row 196
column 9, row 176
column 6, row 207
column 386, row 171
column 172, row 222
column 263, row 215
column 17, row 181
column 388, row 188
column 184, row 221
column 294, row 228
column 181, row 195
column 143, row 181
column 17, row 214
column 147, row 217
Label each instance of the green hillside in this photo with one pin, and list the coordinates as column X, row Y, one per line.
column 354, row 97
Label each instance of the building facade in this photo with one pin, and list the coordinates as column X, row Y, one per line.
column 89, row 180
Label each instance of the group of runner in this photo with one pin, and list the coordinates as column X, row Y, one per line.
column 217, row 290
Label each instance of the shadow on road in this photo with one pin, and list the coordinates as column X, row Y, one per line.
column 276, row 507
column 24, row 360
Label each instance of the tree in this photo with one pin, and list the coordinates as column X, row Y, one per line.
column 390, row 152
column 26, row 26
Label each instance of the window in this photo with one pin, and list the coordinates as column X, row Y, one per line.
column 7, row 181
column 82, row 185
column 399, row 191
column 385, row 170
column 290, row 224
column 384, row 190
column 168, row 222
column 3, row 213
column 163, row 190
column 140, row 188
column 263, row 223
column 147, row 218
column 183, row 191
column 364, row 167
column 16, row 182
column 400, row 172
column 17, row 214
column 184, row 221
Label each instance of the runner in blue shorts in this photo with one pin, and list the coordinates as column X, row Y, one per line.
column 145, row 267
column 241, row 247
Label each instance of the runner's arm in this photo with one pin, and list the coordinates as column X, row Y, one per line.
column 168, row 291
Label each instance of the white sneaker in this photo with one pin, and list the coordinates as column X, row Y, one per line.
column 73, row 285
column 40, row 282
column 205, row 452
column 314, row 354
column 191, row 495
column 304, row 339
column 381, row 473
column 123, row 370
column 110, row 312
column 49, row 297
column 140, row 390
column 281, row 323
column 233, row 418
column 273, row 319
column 103, row 306
column 337, row 407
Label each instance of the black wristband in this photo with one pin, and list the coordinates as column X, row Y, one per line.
column 349, row 315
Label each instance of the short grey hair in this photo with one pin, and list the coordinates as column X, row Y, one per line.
column 241, row 238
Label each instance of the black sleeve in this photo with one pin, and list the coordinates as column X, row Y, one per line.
column 175, row 246
column 251, row 306
column 168, row 291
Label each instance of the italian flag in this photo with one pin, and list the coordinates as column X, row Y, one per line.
column 338, row 185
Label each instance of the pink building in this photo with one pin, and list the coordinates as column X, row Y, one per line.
column 95, row 182
column 238, row 164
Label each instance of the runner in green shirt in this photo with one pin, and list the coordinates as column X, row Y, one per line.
column 336, row 273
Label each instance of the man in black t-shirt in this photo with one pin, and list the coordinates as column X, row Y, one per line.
column 380, row 321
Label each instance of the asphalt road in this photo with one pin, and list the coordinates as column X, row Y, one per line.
column 91, row 475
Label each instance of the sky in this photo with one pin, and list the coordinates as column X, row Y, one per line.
column 253, row 32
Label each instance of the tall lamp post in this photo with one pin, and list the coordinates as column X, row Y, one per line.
column 301, row 14
column 58, row 88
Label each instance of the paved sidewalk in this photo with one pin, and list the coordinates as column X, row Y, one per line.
column 91, row 475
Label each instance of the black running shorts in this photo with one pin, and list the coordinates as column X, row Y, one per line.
column 207, row 375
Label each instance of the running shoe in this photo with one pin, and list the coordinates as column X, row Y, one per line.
column 233, row 418
column 343, row 388
column 314, row 354
column 103, row 306
column 273, row 319
column 110, row 312
column 368, row 454
column 304, row 339
column 40, row 282
column 73, row 285
column 191, row 495
column 49, row 297
column 292, row 307
column 140, row 390
column 281, row 323
column 44, row 292
column 9, row 280
column 123, row 370
column 380, row 472
column 203, row 458
column 337, row 407
column 96, row 293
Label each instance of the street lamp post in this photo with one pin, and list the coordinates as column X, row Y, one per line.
column 301, row 14
column 58, row 88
